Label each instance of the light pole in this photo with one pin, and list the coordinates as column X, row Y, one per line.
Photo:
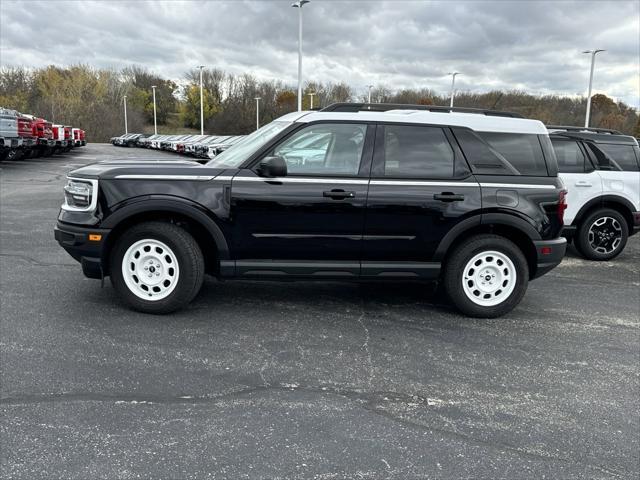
column 453, row 84
column 299, row 4
column 370, row 87
column 311, row 94
column 155, row 123
column 257, row 99
column 201, row 103
column 593, row 61
column 126, row 128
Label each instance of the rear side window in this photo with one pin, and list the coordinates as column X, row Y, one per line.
column 523, row 151
column 417, row 152
column 569, row 155
column 623, row 155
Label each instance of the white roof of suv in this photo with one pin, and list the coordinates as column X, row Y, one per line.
column 480, row 123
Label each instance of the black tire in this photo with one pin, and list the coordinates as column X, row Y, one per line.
column 454, row 270
column 188, row 256
column 587, row 243
column 15, row 154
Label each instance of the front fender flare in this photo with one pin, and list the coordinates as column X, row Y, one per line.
column 192, row 210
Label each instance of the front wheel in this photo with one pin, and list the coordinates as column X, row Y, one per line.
column 157, row 267
column 486, row 276
column 602, row 235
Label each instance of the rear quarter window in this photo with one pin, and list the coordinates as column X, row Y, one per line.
column 521, row 150
column 569, row 155
column 416, row 152
column 623, row 155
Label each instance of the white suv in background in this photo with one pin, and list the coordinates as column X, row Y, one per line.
column 601, row 171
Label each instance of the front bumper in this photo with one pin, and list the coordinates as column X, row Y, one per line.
column 76, row 241
column 549, row 254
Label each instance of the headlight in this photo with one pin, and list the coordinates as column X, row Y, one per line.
column 80, row 195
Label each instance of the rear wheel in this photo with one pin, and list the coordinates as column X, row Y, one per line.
column 157, row 267
column 486, row 276
column 602, row 235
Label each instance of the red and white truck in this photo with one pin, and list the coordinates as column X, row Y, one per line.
column 25, row 136
column 43, row 135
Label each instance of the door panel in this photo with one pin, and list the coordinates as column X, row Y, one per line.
column 414, row 197
column 307, row 215
column 581, row 188
column 291, row 218
column 407, row 220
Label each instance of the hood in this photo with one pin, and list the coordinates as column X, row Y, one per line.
column 114, row 168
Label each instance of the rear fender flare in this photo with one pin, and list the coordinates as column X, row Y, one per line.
column 600, row 202
column 476, row 221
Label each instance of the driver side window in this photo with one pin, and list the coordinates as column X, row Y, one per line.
column 323, row 149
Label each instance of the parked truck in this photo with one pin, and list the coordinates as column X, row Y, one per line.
column 42, row 135
column 75, row 133
column 8, row 132
column 58, row 136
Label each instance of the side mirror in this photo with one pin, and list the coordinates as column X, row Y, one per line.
column 272, row 167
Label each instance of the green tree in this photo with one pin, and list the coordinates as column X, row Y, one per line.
column 190, row 108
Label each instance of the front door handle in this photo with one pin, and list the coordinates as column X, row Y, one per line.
column 583, row 183
column 338, row 194
column 448, row 197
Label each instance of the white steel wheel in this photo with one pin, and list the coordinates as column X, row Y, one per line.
column 150, row 269
column 489, row 278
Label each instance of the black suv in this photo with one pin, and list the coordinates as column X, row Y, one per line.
column 470, row 198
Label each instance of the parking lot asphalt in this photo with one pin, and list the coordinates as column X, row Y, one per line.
column 305, row 379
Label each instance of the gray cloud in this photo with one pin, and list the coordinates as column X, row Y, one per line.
column 529, row 45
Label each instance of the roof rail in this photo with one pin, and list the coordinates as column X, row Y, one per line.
column 584, row 129
column 384, row 107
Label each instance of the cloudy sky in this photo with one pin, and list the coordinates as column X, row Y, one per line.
column 531, row 45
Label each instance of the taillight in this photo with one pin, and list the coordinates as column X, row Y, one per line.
column 562, row 205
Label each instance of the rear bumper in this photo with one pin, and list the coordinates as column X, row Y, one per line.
column 549, row 255
column 75, row 240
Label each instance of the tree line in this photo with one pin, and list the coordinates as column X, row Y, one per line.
column 93, row 100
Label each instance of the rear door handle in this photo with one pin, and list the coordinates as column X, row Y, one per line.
column 448, row 197
column 583, row 183
column 338, row 194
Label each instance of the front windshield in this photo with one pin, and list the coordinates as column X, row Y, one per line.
column 241, row 151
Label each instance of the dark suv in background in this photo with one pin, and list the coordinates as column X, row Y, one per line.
column 471, row 198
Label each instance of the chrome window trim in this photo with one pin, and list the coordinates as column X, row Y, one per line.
column 199, row 178
column 426, row 183
column 517, row 185
column 356, row 181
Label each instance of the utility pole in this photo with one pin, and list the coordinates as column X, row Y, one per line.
column 299, row 4
column 453, row 85
column 593, row 61
column 370, row 87
column 257, row 99
column 126, row 128
column 155, row 123
column 201, row 103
